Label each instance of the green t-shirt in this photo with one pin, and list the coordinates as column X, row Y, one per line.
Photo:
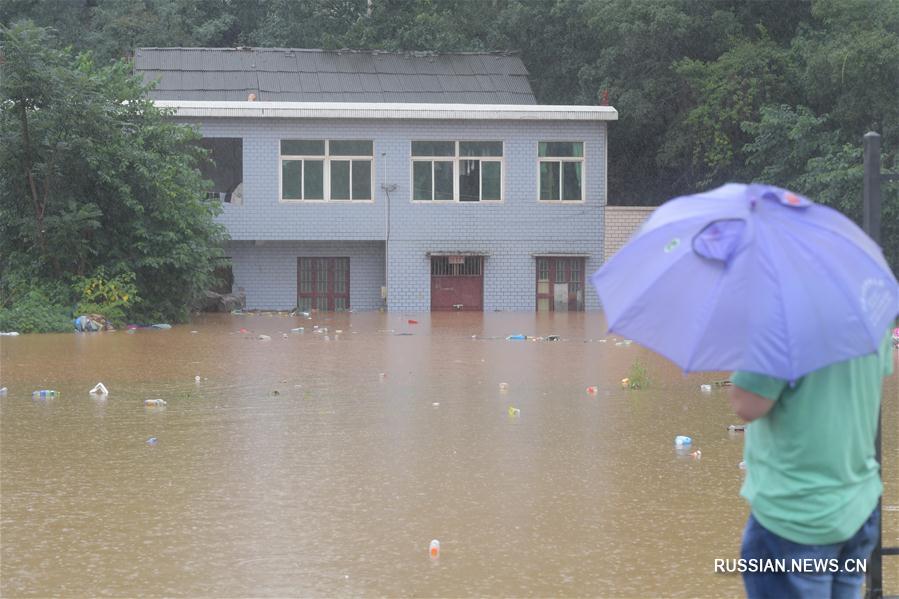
column 811, row 476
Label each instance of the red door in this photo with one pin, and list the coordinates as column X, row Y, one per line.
column 457, row 283
column 323, row 284
column 560, row 284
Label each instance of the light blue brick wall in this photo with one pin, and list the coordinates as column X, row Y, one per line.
column 268, row 272
column 508, row 232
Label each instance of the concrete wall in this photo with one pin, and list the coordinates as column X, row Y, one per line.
column 620, row 224
column 268, row 272
column 508, row 232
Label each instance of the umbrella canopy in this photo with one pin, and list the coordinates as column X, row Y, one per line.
column 750, row 277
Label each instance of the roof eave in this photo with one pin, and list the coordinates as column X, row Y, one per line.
column 386, row 110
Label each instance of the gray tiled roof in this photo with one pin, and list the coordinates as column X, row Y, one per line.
column 285, row 75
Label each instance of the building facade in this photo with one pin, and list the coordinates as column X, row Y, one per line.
column 493, row 204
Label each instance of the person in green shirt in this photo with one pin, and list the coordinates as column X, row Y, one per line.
column 812, row 481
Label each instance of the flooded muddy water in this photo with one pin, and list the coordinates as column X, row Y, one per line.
column 294, row 468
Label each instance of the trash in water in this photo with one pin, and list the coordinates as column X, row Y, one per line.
column 705, row 388
column 696, row 454
column 152, row 441
column 742, row 465
column 155, row 403
column 724, row 383
column 284, row 335
column 553, row 338
column 623, row 343
column 197, row 378
column 625, row 382
column 300, row 330
column 337, row 332
column 99, row 389
column 736, row 428
column 194, row 332
column 410, row 321
column 517, row 337
column 382, row 376
column 244, row 331
column 504, row 386
column 275, row 392
column 682, row 440
column 436, row 404
column 3, row 391
column 160, row 325
column 402, row 334
column 90, row 323
column 513, row 411
column 264, row 338
column 593, row 390
column 43, row 393
column 9, row 334
column 434, row 549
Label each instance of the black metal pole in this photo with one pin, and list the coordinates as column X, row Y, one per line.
column 871, row 225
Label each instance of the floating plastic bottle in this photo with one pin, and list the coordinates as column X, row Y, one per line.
column 682, row 440
column 44, row 393
column 3, row 391
column 99, row 389
column 154, row 403
column 299, row 330
column 152, row 441
column 517, row 337
column 705, row 388
column 434, row 549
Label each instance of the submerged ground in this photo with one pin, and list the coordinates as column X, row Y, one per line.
column 323, row 464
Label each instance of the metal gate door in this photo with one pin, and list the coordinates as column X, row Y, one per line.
column 457, row 283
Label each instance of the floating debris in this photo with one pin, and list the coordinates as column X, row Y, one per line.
column 99, row 389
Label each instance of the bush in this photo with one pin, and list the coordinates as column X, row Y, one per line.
column 637, row 377
column 34, row 312
column 106, row 295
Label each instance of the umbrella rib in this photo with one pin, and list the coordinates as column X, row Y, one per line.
column 783, row 307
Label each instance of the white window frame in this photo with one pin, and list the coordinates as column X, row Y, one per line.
column 456, row 160
column 326, row 172
column 560, row 159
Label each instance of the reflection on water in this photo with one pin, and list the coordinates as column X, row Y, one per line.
column 294, row 468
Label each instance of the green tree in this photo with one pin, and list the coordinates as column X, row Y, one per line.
column 94, row 175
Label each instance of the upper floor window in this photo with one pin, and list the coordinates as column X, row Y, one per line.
column 335, row 170
column 464, row 171
column 561, row 170
column 223, row 168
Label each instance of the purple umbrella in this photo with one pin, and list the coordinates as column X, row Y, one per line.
column 750, row 277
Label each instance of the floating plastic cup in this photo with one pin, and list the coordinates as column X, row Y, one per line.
column 434, row 549
column 682, row 440
column 44, row 393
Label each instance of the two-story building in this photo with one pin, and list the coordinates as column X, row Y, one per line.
column 411, row 181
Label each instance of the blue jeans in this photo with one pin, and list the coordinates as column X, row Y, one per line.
column 823, row 582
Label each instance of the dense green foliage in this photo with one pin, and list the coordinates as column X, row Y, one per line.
column 96, row 182
column 708, row 91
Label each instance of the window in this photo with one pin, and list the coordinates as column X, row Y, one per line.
column 464, row 171
column 561, row 170
column 333, row 170
column 224, row 168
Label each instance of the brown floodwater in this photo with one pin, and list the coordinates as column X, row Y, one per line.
column 293, row 468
